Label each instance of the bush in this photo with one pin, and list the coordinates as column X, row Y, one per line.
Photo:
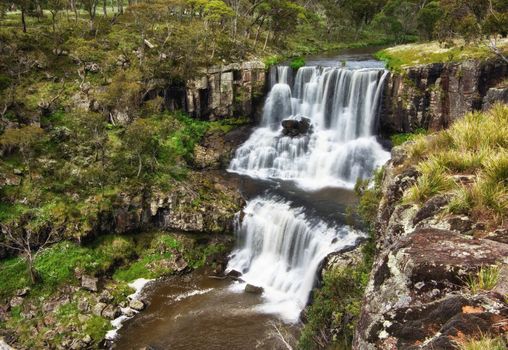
column 297, row 63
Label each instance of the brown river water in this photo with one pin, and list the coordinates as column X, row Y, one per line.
column 197, row 312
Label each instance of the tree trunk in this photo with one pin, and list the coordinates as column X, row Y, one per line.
column 120, row 6
column 53, row 15
column 31, row 269
column 23, row 21
column 104, row 8
column 140, row 165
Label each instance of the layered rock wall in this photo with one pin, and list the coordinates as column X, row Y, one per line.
column 219, row 92
column 434, row 95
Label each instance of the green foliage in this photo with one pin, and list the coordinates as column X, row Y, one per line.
column 297, row 63
column 369, row 194
column 336, row 305
column 485, row 279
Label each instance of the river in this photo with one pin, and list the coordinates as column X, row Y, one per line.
column 298, row 183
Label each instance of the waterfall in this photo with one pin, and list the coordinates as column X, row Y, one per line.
column 342, row 105
column 280, row 248
column 333, row 112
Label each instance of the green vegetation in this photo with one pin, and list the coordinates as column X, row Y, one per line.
column 483, row 343
column 297, row 63
column 399, row 57
column 116, row 259
column 336, row 305
column 399, row 139
column 475, row 146
column 485, row 279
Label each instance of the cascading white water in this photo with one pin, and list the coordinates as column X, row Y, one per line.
column 342, row 105
column 280, row 249
column 279, row 246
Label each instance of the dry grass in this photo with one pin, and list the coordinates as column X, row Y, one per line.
column 483, row 343
column 474, row 145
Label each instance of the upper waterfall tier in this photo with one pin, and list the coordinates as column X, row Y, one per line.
column 342, row 105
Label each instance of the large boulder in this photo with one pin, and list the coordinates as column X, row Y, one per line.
column 294, row 127
column 417, row 296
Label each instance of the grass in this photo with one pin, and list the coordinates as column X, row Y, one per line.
column 434, row 180
column 485, row 279
column 400, row 57
column 475, row 145
column 483, row 343
column 399, row 139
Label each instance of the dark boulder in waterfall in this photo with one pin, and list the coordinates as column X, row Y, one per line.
column 296, row 126
column 249, row 288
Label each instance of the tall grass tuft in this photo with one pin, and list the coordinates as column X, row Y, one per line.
column 476, row 144
column 485, row 279
column 483, row 343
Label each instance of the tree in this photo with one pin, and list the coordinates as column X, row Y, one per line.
column 25, row 140
column 28, row 242
column 24, row 8
column 91, row 7
column 55, row 6
column 141, row 144
column 427, row 19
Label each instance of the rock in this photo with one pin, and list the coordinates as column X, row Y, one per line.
column 296, row 126
column 22, row 292
column 111, row 312
column 98, row 308
column 4, row 345
column 432, row 96
column 89, row 283
column 92, row 67
column 493, row 96
column 105, row 296
column 87, row 339
column 234, row 274
column 83, row 305
column 414, row 293
column 16, row 301
column 249, row 288
column 136, row 304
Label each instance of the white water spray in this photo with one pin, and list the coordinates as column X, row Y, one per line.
column 279, row 246
column 342, row 105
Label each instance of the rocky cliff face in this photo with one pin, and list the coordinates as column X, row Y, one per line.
column 417, row 296
column 432, row 96
column 220, row 92
column 183, row 208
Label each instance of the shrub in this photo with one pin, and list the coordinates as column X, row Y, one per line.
column 297, row 63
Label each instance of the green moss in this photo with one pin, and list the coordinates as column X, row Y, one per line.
column 13, row 276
